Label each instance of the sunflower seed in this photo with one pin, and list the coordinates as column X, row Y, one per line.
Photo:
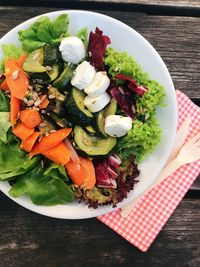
column 37, row 103
column 15, row 74
column 49, row 68
column 42, row 124
column 52, row 96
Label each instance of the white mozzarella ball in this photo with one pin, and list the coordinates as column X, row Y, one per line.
column 117, row 126
column 95, row 104
column 99, row 84
column 83, row 76
column 72, row 49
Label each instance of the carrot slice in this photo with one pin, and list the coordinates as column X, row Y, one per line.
column 44, row 104
column 90, row 177
column 4, row 86
column 16, row 79
column 73, row 155
column 28, row 144
column 21, row 60
column 50, row 141
column 30, row 118
column 82, row 174
column 59, row 154
column 22, row 131
column 14, row 109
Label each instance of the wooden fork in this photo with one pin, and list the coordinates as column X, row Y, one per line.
column 190, row 152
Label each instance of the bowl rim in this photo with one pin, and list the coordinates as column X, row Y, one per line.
column 45, row 211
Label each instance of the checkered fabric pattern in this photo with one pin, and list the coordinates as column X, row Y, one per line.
column 154, row 209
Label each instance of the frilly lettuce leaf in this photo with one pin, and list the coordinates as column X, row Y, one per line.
column 121, row 62
column 141, row 140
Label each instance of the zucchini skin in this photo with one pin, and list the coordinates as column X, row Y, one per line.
column 63, row 80
column 93, row 146
column 75, row 113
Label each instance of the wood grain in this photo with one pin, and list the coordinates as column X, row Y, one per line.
column 175, row 38
column 28, row 239
column 161, row 3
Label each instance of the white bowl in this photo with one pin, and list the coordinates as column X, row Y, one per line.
column 123, row 38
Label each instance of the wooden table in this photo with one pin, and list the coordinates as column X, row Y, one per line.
column 28, row 239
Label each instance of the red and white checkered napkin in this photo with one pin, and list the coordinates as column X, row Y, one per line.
column 154, row 209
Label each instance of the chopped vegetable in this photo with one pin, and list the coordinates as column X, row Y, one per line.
column 16, row 79
column 59, row 154
column 22, row 132
column 44, row 103
column 106, row 171
column 132, row 84
column 82, row 174
column 50, row 141
column 97, row 48
column 14, row 109
column 28, row 143
column 30, row 118
column 73, row 154
column 21, row 60
column 124, row 99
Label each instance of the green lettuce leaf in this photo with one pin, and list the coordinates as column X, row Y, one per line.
column 44, row 188
column 59, row 26
column 44, row 31
column 141, row 140
column 55, row 170
column 14, row 161
column 4, row 126
column 83, row 35
column 9, row 50
column 4, row 102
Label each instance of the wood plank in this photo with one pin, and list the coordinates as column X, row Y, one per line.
column 158, row 7
column 161, row 3
column 175, row 38
column 28, row 239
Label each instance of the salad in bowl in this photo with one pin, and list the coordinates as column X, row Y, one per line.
column 77, row 116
